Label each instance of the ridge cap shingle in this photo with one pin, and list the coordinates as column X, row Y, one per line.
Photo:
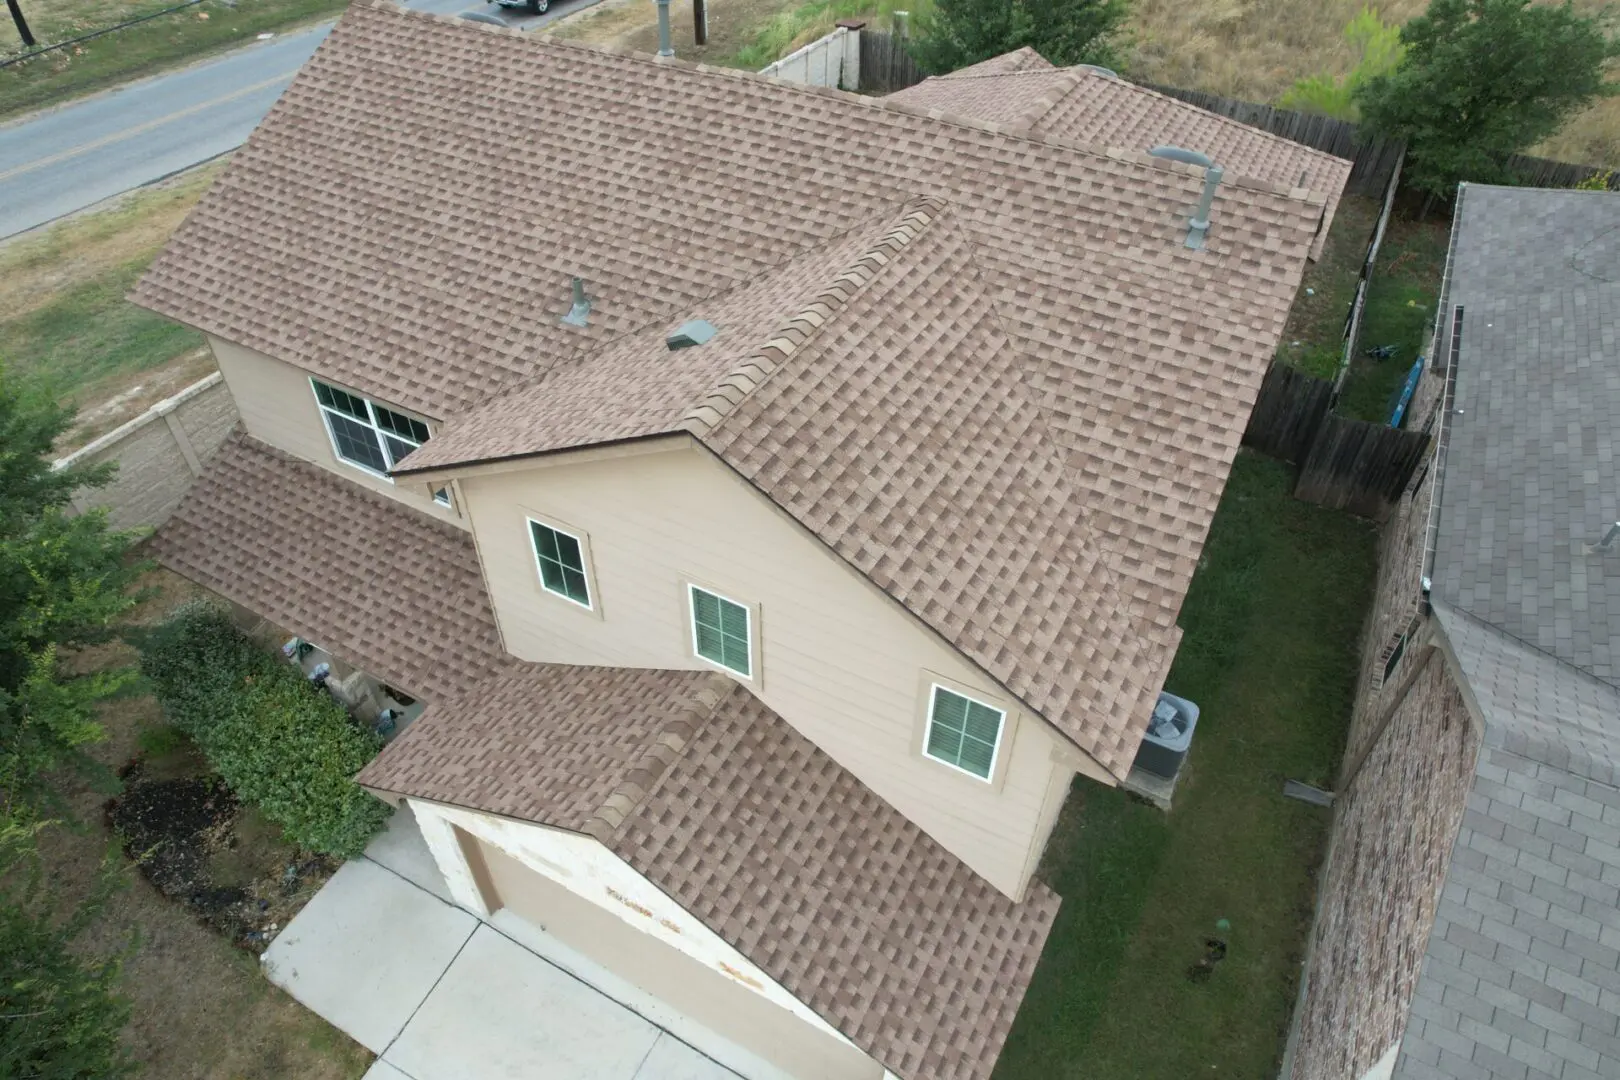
column 801, row 328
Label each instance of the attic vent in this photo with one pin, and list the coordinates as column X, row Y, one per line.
column 579, row 313
column 693, row 332
column 1182, row 154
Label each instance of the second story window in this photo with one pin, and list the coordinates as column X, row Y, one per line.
column 963, row 733
column 367, row 435
column 561, row 560
column 721, row 631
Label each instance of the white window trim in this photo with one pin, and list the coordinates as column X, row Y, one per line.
column 995, row 751
column 371, row 421
column 748, row 617
column 584, row 558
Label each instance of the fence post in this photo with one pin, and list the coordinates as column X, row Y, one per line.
column 849, row 70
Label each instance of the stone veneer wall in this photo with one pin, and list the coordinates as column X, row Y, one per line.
column 159, row 454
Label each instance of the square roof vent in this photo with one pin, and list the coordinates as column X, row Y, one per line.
column 690, row 333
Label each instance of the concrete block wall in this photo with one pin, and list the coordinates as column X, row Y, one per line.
column 159, row 454
column 833, row 60
column 1393, row 830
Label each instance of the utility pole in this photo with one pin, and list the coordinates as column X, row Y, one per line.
column 700, row 21
column 22, row 24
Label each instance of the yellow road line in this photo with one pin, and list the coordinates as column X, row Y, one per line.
column 141, row 129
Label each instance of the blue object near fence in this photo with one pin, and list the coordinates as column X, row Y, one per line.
column 1407, row 391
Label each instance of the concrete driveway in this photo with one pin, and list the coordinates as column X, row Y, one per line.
column 438, row 994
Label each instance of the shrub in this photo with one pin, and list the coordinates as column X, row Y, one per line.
column 280, row 745
column 1378, row 46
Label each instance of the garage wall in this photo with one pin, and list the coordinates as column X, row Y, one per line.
column 716, row 981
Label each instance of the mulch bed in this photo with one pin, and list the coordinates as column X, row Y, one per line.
column 186, row 835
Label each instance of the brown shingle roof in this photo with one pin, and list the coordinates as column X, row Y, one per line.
column 1085, row 106
column 388, row 589
column 774, row 846
column 883, row 406
column 702, row 789
column 385, row 226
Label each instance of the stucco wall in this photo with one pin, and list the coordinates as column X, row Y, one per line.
column 159, row 454
column 1394, row 824
column 838, row 659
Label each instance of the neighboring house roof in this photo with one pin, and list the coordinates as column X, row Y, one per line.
column 882, row 354
column 1018, row 60
column 421, row 250
column 699, row 787
column 1530, row 471
column 1084, row 105
column 1521, row 977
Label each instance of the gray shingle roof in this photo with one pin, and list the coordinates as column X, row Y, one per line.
column 1521, row 980
column 1530, row 471
column 1521, row 976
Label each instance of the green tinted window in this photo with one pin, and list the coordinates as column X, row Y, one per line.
column 720, row 631
column 963, row 732
column 562, row 563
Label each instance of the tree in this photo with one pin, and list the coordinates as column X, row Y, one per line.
column 63, row 579
column 1378, row 49
column 1482, row 79
column 956, row 33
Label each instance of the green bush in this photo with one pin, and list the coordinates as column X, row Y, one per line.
column 285, row 748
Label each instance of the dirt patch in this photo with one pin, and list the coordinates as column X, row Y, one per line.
column 123, row 396
column 199, row 847
column 633, row 24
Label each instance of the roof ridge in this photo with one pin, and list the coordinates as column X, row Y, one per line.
column 1094, row 150
column 1085, row 71
column 736, row 385
column 1066, row 83
column 689, row 713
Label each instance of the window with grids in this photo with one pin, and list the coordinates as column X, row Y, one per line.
column 963, row 733
column 562, row 563
column 368, row 435
column 720, row 631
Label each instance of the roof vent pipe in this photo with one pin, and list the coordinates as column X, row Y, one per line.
column 580, row 311
column 1183, row 155
column 1198, row 227
column 664, row 47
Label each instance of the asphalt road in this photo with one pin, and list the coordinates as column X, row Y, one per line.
column 64, row 159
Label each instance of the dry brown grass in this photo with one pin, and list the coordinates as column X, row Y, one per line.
column 1256, row 49
column 36, row 266
column 201, row 1008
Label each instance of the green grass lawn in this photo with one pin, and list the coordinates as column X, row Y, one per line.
column 1272, row 623
column 1400, row 304
column 164, row 42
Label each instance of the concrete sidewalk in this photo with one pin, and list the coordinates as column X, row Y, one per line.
column 438, row 994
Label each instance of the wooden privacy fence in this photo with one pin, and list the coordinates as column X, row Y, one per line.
column 886, row 63
column 1288, row 413
column 1355, row 465
column 1360, row 466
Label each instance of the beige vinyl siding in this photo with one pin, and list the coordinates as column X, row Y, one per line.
column 837, row 658
column 278, row 407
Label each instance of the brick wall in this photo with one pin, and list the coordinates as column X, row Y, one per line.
column 159, row 454
column 1397, row 605
column 1394, row 825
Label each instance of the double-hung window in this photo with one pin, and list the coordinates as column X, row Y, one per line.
column 722, row 631
column 370, row 436
column 560, row 558
column 963, row 733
